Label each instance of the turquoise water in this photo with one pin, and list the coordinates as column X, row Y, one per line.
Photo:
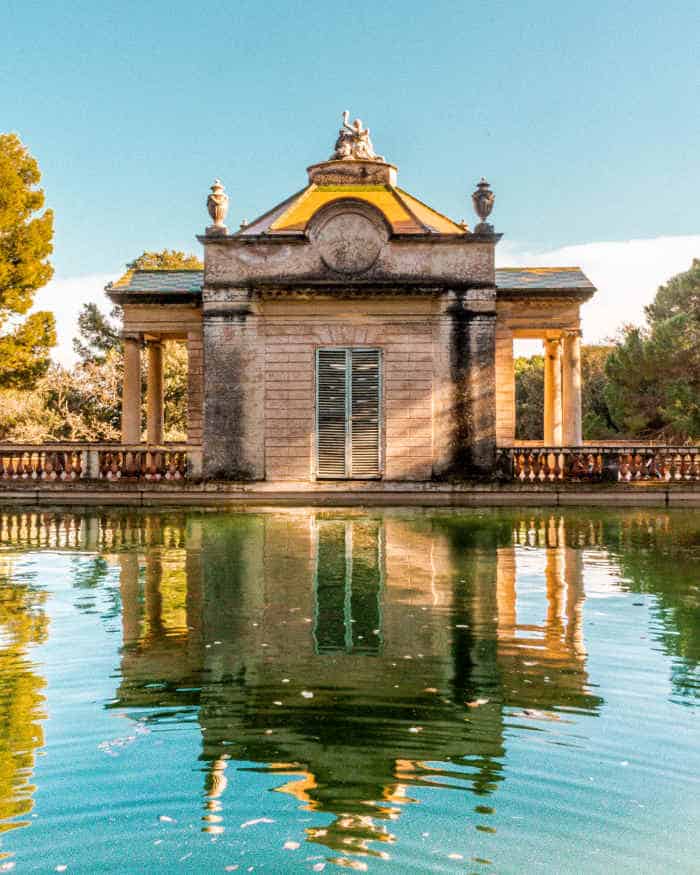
column 390, row 691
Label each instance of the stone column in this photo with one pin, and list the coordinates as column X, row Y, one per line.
column 154, row 393
column 552, row 393
column 131, row 390
column 571, row 388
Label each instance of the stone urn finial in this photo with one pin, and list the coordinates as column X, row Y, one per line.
column 483, row 199
column 217, row 204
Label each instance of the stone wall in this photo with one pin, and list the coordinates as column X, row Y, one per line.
column 437, row 380
column 400, row 327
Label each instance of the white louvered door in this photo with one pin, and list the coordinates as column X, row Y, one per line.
column 348, row 413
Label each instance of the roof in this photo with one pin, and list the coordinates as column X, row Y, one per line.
column 168, row 281
column 539, row 279
column 508, row 279
column 404, row 213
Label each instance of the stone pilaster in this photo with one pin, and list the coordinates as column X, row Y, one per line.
column 233, row 437
column 505, row 386
column 195, row 387
column 465, row 432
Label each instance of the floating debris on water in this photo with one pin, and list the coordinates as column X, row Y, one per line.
column 256, row 821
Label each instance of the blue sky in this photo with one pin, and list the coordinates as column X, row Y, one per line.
column 583, row 116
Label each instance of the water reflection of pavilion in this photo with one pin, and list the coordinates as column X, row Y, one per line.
column 405, row 629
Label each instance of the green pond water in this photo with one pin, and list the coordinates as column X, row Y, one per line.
column 385, row 691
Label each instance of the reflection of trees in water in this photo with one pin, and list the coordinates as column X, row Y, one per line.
column 658, row 553
column 217, row 610
column 23, row 622
column 660, row 556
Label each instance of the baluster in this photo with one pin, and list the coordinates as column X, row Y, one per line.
column 534, row 465
column 555, row 472
column 539, row 465
column 624, row 472
column 115, row 465
column 687, row 466
column 677, row 466
column 695, row 471
column 548, row 466
column 129, row 464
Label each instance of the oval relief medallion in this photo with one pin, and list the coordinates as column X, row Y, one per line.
column 349, row 242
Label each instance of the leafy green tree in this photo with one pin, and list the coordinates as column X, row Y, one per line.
column 597, row 420
column 98, row 334
column 679, row 297
column 654, row 372
column 167, row 259
column 529, row 398
column 25, row 245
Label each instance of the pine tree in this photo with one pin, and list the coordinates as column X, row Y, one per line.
column 25, row 245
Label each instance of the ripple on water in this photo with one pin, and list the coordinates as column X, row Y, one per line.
column 443, row 690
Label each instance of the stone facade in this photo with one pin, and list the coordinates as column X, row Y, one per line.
column 352, row 262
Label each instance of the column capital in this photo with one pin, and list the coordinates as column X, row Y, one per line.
column 570, row 333
column 131, row 335
column 552, row 344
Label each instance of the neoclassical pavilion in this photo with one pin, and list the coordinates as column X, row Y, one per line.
column 351, row 332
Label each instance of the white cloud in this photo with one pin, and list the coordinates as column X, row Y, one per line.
column 64, row 297
column 626, row 274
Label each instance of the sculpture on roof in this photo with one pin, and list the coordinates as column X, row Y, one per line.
column 217, row 205
column 483, row 199
column 354, row 143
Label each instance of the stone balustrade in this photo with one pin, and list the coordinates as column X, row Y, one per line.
column 98, row 461
column 171, row 463
column 615, row 463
